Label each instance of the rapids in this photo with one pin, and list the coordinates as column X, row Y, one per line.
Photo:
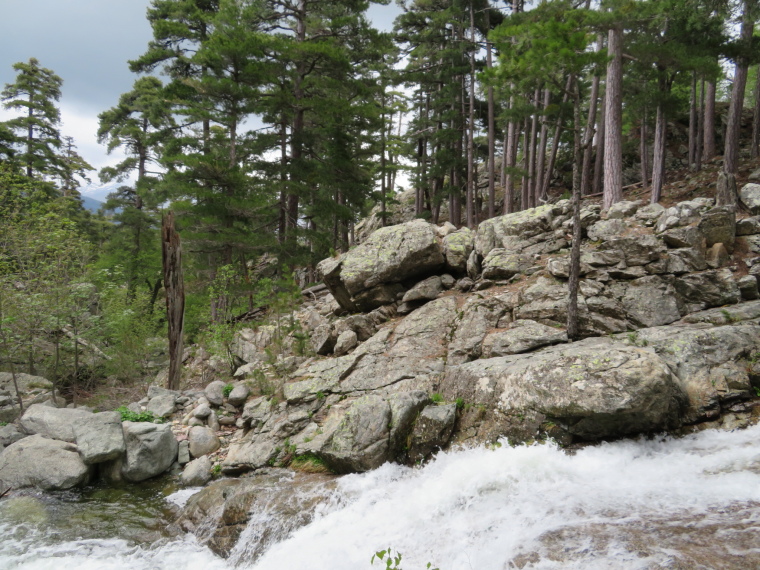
column 691, row 502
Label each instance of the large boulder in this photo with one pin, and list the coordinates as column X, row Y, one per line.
column 719, row 226
column 710, row 362
column 521, row 336
column 457, row 248
column 496, row 232
column 361, row 442
column 55, row 423
column 38, row 461
column 750, row 197
column 389, row 256
column 151, row 450
column 594, row 388
column 100, row 437
column 432, row 431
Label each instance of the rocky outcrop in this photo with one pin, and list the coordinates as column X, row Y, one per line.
column 55, row 423
column 370, row 275
column 99, row 437
column 32, row 389
column 150, row 450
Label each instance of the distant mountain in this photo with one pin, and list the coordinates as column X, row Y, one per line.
column 99, row 192
column 91, row 204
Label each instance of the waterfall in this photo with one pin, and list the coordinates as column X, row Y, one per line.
column 665, row 502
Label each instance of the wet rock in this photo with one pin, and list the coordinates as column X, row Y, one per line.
column 432, row 431
column 47, row 464
column 202, row 441
column 405, row 407
column 99, row 437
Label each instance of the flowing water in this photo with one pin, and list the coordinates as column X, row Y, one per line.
column 692, row 502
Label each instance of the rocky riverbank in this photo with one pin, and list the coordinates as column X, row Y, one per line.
column 424, row 337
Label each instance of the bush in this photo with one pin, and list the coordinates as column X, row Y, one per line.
column 128, row 415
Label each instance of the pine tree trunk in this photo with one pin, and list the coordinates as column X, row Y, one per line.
column 708, row 150
column 532, row 152
column 573, row 328
column 525, row 184
column 491, row 140
column 644, row 152
column 471, row 190
column 508, row 162
column 658, row 157
column 542, row 142
column 733, row 128
column 597, row 185
column 175, row 297
column 613, row 143
column 755, row 149
column 693, row 123
column 700, row 124
column 589, row 137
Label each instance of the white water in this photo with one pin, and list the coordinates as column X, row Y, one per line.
column 635, row 504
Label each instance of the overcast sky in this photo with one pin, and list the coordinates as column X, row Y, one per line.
column 88, row 43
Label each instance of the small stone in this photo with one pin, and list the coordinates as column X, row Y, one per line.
column 183, row 452
column 202, row 411
column 215, row 392
column 202, row 441
column 748, row 287
column 239, row 394
column 346, row 341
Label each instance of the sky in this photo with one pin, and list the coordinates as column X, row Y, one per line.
column 88, row 43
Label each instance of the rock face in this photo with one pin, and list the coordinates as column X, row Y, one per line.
column 361, row 277
column 594, row 388
column 48, row 464
column 33, row 390
column 151, row 449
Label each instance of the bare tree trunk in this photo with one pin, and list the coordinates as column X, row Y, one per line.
column 700, row 124
column 589, row 137
column 708, row 151
column 532, row 152
column 175, row 297
column 525, row 183
column 613, row 142
column 491, row 140
column 596, row 187
column 471, row 180
column 573, row 328
column 755, row 149
column 542, row 142
column 544, row 196
column 644, row 152
column 693, row 123
column 658, row 158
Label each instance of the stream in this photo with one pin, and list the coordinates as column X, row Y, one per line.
column 681, row 503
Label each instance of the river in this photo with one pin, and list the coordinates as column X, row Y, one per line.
column 691, row 502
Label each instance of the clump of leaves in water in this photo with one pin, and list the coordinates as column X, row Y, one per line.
column 227, row 390
column 128, row 415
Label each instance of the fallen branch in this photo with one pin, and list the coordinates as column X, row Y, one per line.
column 85, row 343
column 5, row 492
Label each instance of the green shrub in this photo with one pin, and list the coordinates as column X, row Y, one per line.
column 128, row 415
column 227, row 390
column 437, row 398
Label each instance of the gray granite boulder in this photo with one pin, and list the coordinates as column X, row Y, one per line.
column 100, row 437
column 202, row 441
column 214, row 392
column 47, row 464
column 432, row 431
column 457, row 247
column 521, row 336
column 750, row 197
column 55, row 423
column 151, row 450
column 239, row 394
column 197, row 473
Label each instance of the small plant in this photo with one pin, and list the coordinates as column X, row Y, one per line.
column 227, row 390
column 393, row 561
column 3, row 424
column 460, row 403
column 216, row 470
column 437, row 398
column 757, row 391
column 309, row 463
column 128, row 415
column 729, row 317
column 320, row 395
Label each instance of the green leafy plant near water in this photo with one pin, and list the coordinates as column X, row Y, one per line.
column 227, row 390
column 128, row 415
column 392, row 559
